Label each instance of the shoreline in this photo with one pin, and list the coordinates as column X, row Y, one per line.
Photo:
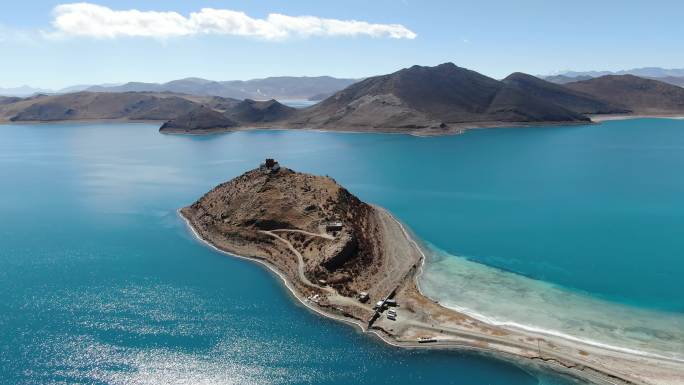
column 453, row 129
column 271, row 268
column 83, row 121
column 468, row 340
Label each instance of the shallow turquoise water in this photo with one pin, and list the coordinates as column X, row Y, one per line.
column 101, row 282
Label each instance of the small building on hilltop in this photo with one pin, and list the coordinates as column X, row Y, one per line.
column 270, row 165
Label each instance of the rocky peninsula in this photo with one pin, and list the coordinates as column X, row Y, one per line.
column 354, row 262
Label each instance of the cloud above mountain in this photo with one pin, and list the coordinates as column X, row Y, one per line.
column 97, row 21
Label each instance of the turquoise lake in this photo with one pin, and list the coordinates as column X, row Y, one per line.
column 102, row 283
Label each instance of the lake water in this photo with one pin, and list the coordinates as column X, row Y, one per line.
column 102, row 283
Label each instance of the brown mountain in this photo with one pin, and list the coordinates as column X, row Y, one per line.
column 200, row 119
column 430, row 97
column 221, row 116
column 89, row 105
column 217, row 103
column 674, row 80
column 642, row 96
column 252, row 111
column 9, row 99
column 563, row 96
column 112, row 106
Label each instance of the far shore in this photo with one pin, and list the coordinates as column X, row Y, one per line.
column 452, row 129
column 451, row 330
column 84, row 121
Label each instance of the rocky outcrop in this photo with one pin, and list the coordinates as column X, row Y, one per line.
column 266, row 210
column 338, row 253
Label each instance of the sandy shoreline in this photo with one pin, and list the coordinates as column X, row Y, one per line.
column 591, row 363
column 607, row 118
column 521, row 328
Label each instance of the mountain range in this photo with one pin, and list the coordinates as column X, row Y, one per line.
column 105, row 106
column 303, row 88
column 283, row 88
column 430, row 97
column 448, row 98
column 425, row 100
column 23, row 91
column 646, row 72
column 641, row 96
column 671, row 76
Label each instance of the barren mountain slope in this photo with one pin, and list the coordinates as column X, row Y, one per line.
column 642, row 96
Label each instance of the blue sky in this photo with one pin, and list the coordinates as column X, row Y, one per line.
column 494, row 37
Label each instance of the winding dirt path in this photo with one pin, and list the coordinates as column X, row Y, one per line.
column 333, row 296
column 300, row 258
column 324, row 236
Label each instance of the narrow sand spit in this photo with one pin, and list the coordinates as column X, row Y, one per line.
column 419, row 317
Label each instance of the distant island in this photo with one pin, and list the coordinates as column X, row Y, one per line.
column 419, row 100
column 354, row 262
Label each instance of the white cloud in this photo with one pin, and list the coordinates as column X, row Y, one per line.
column 96, row 21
